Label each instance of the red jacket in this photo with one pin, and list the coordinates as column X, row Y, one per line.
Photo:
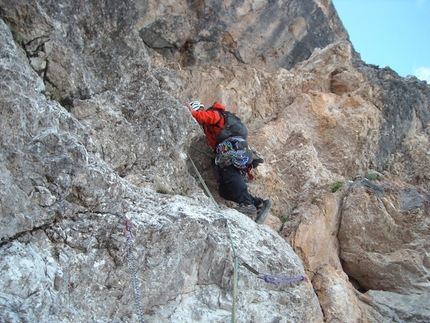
column 212, row 122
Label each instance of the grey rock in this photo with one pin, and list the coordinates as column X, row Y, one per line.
column 63, row 250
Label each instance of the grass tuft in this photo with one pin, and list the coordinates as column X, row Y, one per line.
column 336, row 187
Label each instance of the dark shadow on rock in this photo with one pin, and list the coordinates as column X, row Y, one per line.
column 200, row 153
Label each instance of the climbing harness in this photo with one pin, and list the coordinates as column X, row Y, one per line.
column 246, row 173
column 276, row 280
column 132, row 268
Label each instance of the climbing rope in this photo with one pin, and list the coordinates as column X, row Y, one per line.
column 204, row 152
column 235, row 276
column 132, row 268
column 236, row 265
column 204, row 184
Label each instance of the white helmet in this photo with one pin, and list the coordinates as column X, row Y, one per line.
column 195, row 105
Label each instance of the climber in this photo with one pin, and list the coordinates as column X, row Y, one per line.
column 231, row 183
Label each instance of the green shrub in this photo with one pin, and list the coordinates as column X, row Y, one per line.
column 336, row 186
column 163, row 190
column 373, row 176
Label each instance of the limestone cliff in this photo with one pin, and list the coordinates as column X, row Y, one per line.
column 93, row 132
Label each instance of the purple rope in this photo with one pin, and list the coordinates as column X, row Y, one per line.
column 276, row 280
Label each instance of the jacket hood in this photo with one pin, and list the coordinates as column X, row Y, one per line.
column 218, row 106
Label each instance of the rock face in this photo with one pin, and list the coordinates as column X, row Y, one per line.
column 64, row 254
column 383, row 229
column 262, row 34
column 94, row 132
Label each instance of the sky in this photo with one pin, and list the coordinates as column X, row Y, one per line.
column 394, row 33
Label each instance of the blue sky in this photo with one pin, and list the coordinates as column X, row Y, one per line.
column 394, row 33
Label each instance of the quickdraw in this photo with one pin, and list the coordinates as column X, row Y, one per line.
column 273, row 279
column 276, row 280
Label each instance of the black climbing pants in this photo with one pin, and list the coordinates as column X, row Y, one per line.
column 232, row 187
